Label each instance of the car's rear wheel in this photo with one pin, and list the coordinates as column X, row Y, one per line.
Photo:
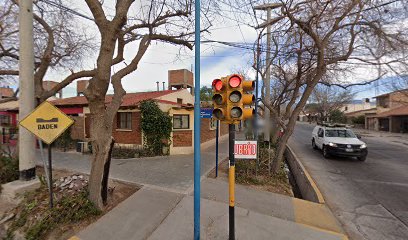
column 314, row 144
column 362, row 158
column 325, row 152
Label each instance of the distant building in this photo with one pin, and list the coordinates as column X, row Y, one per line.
column 6, row 92
column 357, row 105
column 391, row 113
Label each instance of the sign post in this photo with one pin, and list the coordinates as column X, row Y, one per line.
column 216, row 148
column 231, row 181
column 47, row 123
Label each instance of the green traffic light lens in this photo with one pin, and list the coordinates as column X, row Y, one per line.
column 236, row 112
column 235, row 96
column 217, row 113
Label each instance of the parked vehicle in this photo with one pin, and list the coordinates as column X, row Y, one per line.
column 338, row 140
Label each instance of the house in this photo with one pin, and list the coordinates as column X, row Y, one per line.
column 357, row 105
column 178, row 102
column 391, row 113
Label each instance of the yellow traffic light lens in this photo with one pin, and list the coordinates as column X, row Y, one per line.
column 234, row 81
column 217, row 99
column 235, row 96
column 217, row 113
column 236, row 112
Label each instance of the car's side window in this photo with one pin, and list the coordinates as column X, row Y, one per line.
column 320, row 133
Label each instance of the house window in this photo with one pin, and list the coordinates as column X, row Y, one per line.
column 4, row 120
column 181, row 121
column 213, row 124
column 345, row 108
column 179, row 101
column 124, row 120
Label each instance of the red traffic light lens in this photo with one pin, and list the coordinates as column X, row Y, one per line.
column 236, row 112
column 234, row 81
column 217, row 84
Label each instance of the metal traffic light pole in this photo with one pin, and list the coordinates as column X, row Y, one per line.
column 197, row 121
column 231, row 181
column 230, row 100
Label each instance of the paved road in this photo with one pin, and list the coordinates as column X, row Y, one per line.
column 172, row 173
column 369, row 198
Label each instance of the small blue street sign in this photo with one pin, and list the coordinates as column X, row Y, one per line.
column 206, row 112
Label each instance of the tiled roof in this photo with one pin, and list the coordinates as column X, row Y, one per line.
column 399, row 111
column 6, row 92
column 130, row 99
column 12, row 105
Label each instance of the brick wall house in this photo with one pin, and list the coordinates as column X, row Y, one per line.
column 391, row 113
column 177, row 102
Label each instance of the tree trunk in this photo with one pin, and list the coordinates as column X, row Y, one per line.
column 102, row 144
column 274, row 129
column 292, row 121
column 98, row 179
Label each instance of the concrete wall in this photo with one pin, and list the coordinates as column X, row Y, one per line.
column 304, row 181
column 78, row 128
column 183, row 94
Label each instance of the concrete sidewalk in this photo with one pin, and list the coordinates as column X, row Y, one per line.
column 153, row 214
column 396, row 138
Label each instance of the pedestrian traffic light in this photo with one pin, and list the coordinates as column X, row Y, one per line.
column 232, row 100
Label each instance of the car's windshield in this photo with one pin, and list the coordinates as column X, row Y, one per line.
column 340, row 133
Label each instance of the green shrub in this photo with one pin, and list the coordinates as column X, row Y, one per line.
column 37, row 220
column 128, row 152
column 358, row 120
column 65, row 141
column 8, row 169
column 156, row 126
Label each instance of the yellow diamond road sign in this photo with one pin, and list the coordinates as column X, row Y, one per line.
column 47, row 122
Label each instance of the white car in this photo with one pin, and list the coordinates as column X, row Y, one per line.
column 339, row 141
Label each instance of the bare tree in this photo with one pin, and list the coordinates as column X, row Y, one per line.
column 58, row 41
column 132, row 24
column 316, row 39
column 325, row 99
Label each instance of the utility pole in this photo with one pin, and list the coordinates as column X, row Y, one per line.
column 267, row 80
column 26, row 81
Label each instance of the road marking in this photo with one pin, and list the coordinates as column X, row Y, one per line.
column 315, row 214
column 74, row 238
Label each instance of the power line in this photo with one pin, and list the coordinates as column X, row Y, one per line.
column 62, row 7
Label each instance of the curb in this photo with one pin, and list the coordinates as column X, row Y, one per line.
column 306, row 184
column 312, row 211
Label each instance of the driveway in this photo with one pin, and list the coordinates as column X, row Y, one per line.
column 172, row 173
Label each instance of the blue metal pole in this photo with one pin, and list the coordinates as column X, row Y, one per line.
column 197, row 122
column 216, row 149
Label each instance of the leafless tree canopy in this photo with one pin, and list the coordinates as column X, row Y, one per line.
column 59, row 43
column 325, row 41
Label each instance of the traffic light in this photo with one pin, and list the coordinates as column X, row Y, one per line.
column 219, row 99
column 231, row 99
